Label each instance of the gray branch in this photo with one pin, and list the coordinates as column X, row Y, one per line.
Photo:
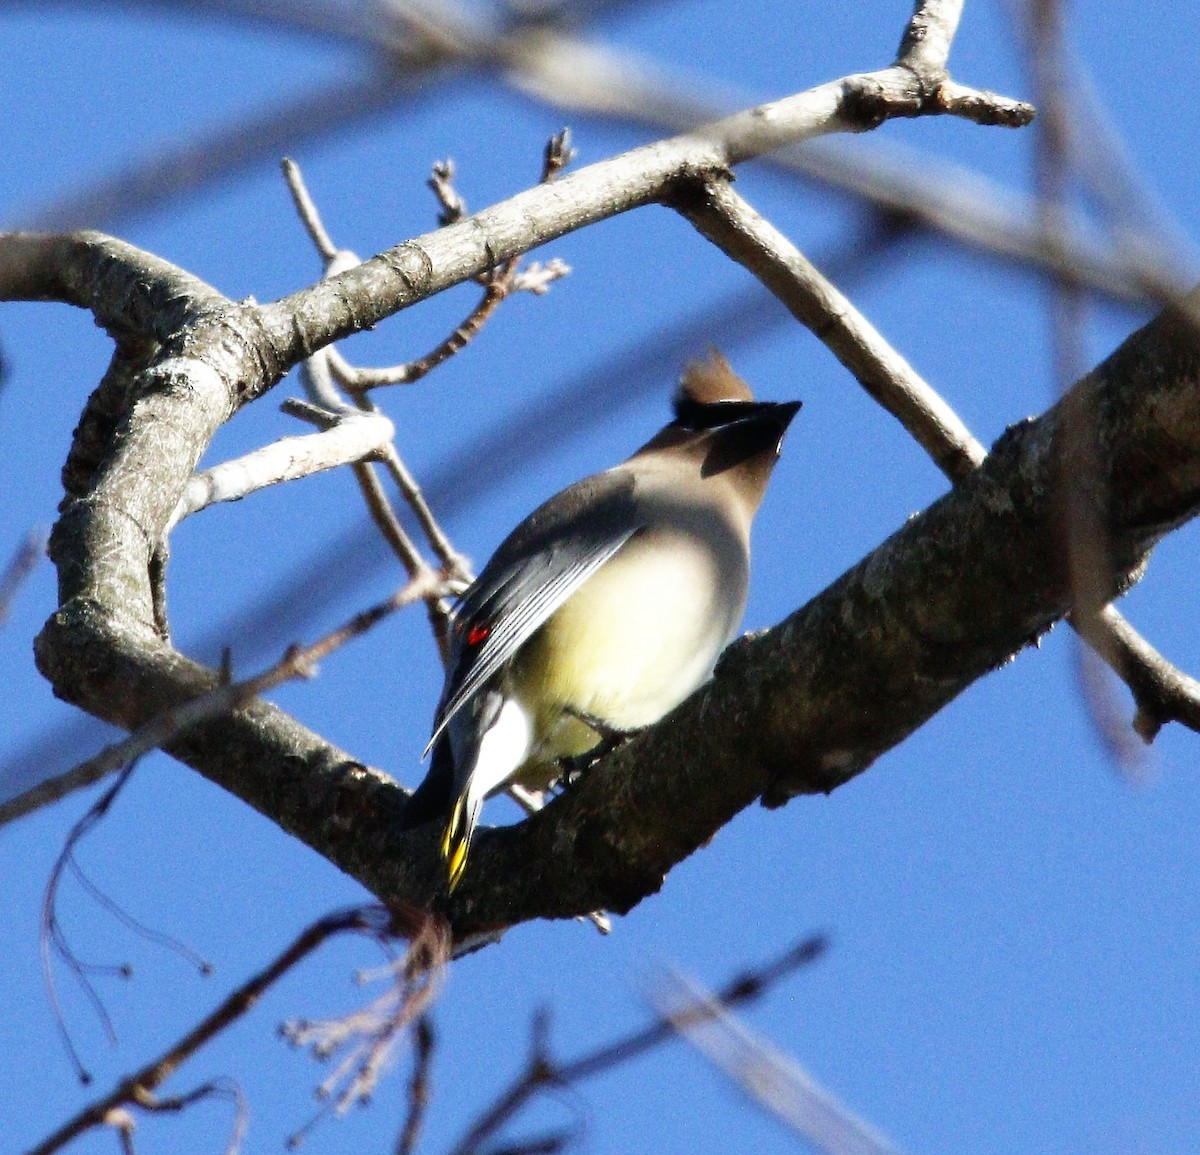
column 800, row 708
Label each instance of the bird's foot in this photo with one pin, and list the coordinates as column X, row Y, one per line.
column 574, row 767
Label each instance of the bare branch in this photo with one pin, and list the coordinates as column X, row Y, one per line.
column 542, row 1071
column 306, row 210
column 418, row 1086
column 983, row 107
column 499, row 282
column 1161, row 692
column 53, row 940
column 380, row 509
column 558, row 155
column 351, row 438
column 318, row 375
column 426, row 265
column 138, row 1088
column 20, row 566
column 724, row 218
column 441, row 182
column 456, row 566
column 368, row 1038
column 770, row 1078
column 532, row 801
column 925, row 45
column 357, row 380
column 161, row 730
column 216, row 1089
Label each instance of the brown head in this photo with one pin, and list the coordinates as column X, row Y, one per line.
column 720, row 427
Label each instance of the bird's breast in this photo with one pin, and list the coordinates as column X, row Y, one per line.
column 639, row 636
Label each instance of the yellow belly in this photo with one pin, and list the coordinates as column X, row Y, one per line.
column 635, row 640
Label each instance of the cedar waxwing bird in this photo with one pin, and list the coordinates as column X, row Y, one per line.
column 605, row 608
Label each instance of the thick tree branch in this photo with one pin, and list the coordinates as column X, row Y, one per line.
column 801, row 708
column 809, row 704
column 393, row 280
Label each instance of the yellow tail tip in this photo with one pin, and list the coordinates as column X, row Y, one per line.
column 455, row 842
column 458, row 863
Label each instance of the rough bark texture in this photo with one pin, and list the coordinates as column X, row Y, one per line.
column 802, row 707
column 799, row 708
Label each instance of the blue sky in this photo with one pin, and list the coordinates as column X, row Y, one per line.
column 1013, row 922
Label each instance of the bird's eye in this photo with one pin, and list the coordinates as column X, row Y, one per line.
column 477, row 635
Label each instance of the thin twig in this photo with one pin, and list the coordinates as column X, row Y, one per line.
column 297, row 662
column 1161, row 692
column 367, row 1038
column 541, row 1071
column 306, row 210
column 357, row 380
column 770, row 1078
column 216, row 1089
column 318, row 376
column 558, row 155
column 51, row 937
column 141, row 929
column 22, row 563
column 536, row 278
column 372, row 920
column 456, row 566
column 499, row 283
column 331, row 361
column 452, row 205
column 418, row 1086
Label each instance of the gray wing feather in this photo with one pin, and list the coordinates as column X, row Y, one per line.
column 533, row 572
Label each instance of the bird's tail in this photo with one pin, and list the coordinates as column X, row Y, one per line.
column 456, row 842
column 432, row 798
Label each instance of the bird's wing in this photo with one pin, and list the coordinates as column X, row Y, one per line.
column 534, row 571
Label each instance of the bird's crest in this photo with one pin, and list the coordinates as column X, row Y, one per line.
column 710, row 381
column 711, row 395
